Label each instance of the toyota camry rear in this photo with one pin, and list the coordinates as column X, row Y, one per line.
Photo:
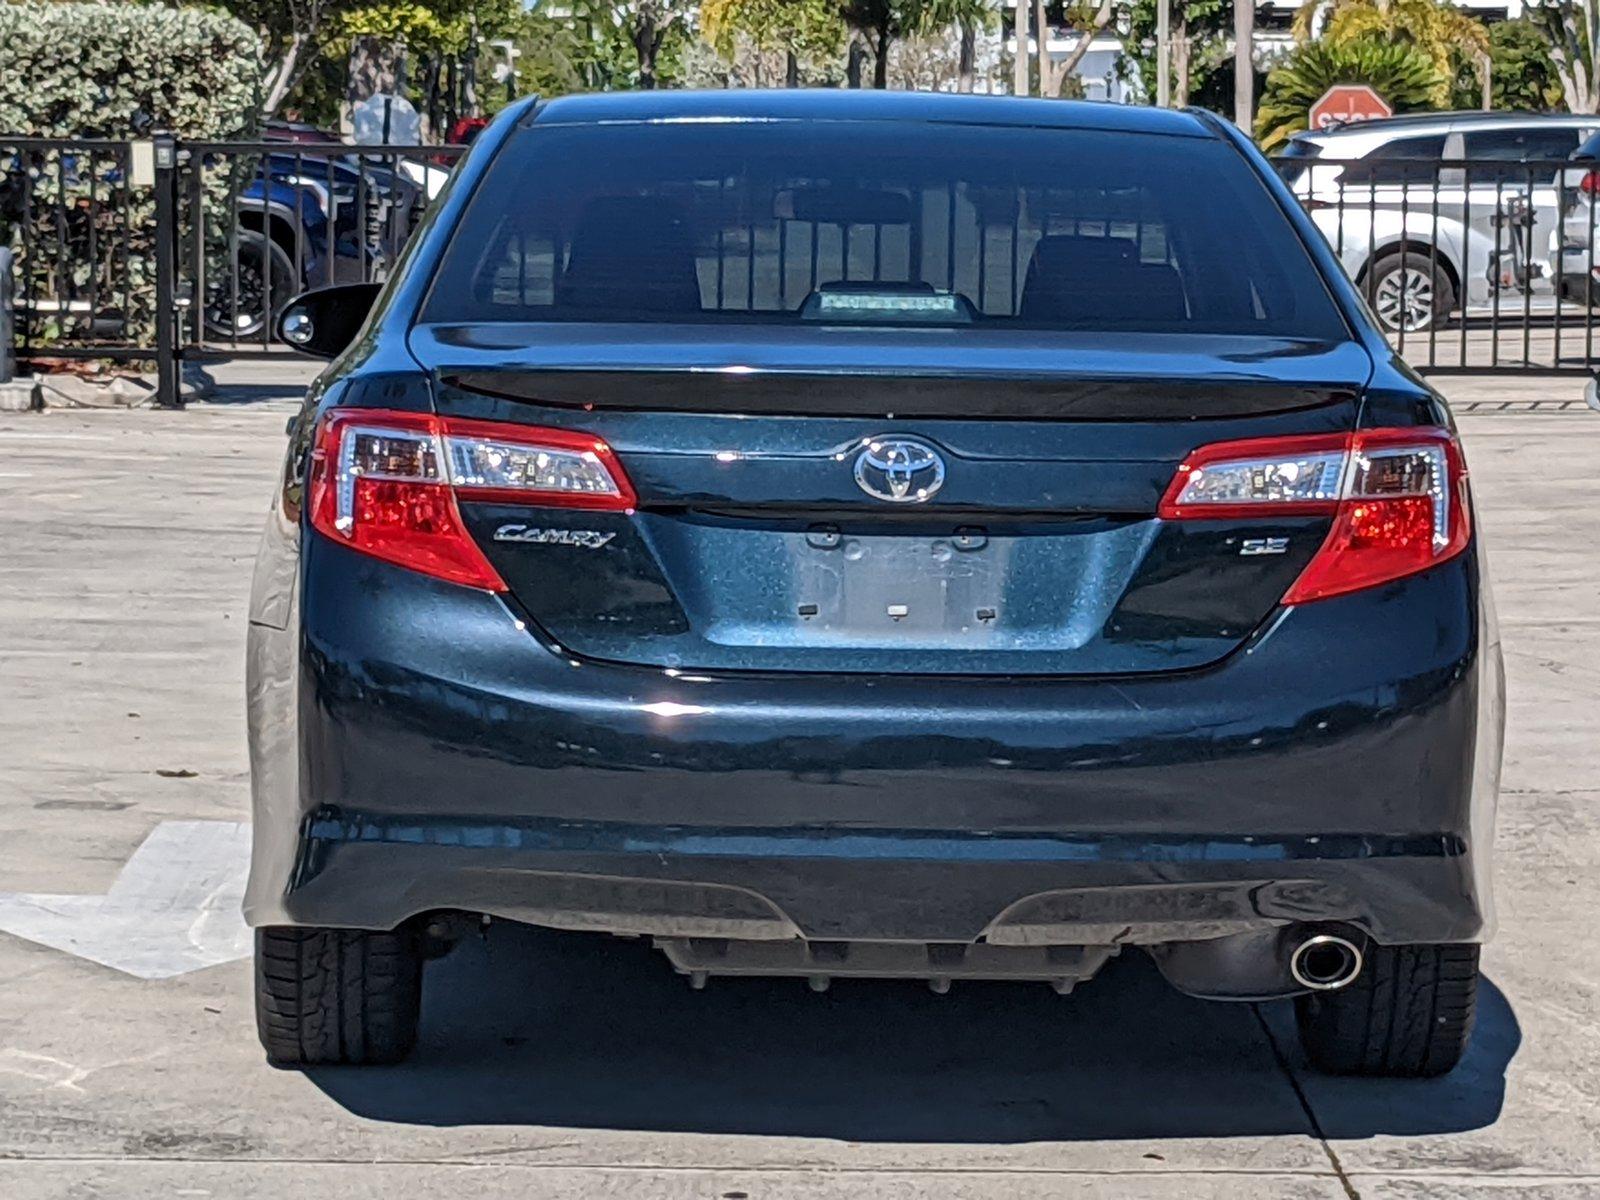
column 838, row 535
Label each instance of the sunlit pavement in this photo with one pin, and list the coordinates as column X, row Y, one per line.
column 559, row 1067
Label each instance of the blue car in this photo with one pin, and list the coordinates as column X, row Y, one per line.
column 309, row 217
column 851, row 534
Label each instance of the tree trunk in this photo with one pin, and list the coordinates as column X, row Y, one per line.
column 1069, row 65
column 469, row 74
column 968, row 53
column 880, row 62
column 791, row 69
column 1180, row 57
column 429, row 68
column 286, row 74
column 852, row 69
column 1019, row 59
column 646, row 41
column 1573, row 31
column 1244, row 63
column 1049, row 85
column 1164, row 53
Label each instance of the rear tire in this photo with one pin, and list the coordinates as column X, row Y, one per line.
column 1407, row 1015
column 329, row 996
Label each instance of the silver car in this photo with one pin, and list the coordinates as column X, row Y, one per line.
column 1445, row 212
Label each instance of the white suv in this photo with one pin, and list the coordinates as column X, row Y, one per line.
column 1443, row 212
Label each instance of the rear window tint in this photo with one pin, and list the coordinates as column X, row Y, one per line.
column 879, row 223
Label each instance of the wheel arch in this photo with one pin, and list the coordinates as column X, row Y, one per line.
column 280, row 229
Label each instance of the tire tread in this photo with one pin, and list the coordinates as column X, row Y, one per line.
column 1409, row 1014
column 327, row 996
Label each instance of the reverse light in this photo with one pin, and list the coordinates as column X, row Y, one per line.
column 387, row 484
column 1398, row 499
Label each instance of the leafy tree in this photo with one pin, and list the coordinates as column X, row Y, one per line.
column 1572, row 28
column 879, row 24
column 1403, row 75
column 1086, row 18
column 1200, row 35
column 1522, row 76
column 292, row 32
column 798, row 29
column 559, row 54
column 651, row 26
column 432, row 35
column 934, row 18
column 1449, row 37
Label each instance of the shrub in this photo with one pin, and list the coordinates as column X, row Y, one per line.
column 105, row 71
column 84, row 70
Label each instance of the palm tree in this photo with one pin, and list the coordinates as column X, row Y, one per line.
column 1448, row 36
column 1402, row 75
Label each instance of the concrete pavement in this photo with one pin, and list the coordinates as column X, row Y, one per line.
column 548, row 1070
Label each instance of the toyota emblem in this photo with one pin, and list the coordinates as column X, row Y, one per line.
column 899, row 470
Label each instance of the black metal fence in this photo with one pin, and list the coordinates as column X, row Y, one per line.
column 164, row 250
column 168, row 250
column 1468, row 265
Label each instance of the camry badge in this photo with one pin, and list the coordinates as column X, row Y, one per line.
column 899, row 470
column 589, row 539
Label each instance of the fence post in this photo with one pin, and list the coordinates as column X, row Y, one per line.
column 166, row 250
column 8, row 327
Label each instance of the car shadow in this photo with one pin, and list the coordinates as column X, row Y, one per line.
column 530, row 1027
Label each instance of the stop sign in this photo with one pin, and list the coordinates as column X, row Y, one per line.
column 1346, row 102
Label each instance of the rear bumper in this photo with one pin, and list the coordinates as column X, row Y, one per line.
column 1340, row 767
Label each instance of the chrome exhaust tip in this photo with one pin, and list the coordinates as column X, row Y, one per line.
column 1325, row 963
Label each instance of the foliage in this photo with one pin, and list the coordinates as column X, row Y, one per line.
column 1572, row 30
column 1403, row 75
column 1521, row 75
column 934, row 62
column 84, row 70
column 109, row 71
column 557, row 56
column 1205, row 25
column 807, row 29
column 290, row 30
column 439, row 27
column 879, row 24
column 1449, row 37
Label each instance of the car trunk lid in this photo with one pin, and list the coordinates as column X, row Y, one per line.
column 760, row 542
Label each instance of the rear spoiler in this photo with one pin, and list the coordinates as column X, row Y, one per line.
column 979, row 396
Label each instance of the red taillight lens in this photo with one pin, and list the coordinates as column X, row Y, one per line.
column 1590, row 183
column 1398, row 498
column 386, row 484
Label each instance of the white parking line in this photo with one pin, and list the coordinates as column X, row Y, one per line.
column 174, row 907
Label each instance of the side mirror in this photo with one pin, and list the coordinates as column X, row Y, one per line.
column 324, row 322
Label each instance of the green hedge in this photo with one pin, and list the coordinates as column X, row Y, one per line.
column 114, row 71
column 83, row 70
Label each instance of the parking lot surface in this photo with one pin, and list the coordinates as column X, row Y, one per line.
column 555, row 1066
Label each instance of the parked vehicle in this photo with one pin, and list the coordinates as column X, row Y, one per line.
column 1579, row 257
column 306, row 218
column 873, row 534
column 1416, row 208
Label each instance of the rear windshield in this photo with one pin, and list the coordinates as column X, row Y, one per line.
column 867, row 223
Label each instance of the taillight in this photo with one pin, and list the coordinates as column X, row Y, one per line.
column 1398, row 498
column 1589, row 185
column 387, row 483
